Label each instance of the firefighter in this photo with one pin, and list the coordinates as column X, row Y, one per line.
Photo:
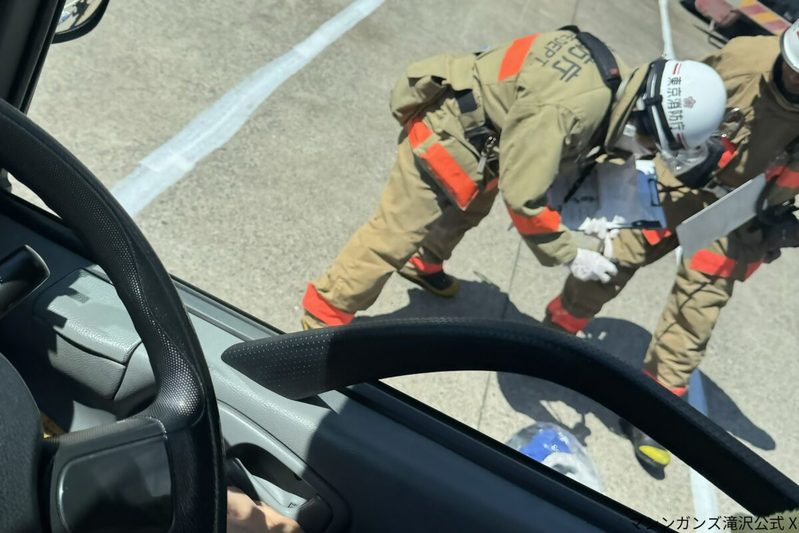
column 761, row 76
column 509, row 119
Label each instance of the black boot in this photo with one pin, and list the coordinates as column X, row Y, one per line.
column 439, row 283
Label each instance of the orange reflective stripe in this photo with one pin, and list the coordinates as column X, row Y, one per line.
column 730, row 151
column 514, row 56
column 565, row 320
column 451, row 174
column 547, row 221
column 424, row 267
column 774, row 172
column 418, row 133
column 679, row 391
column 321, row 309
column 654, row 236
column 491, row 185
column 751, row 267
column 443, row 165
column 788, row 179
column 713, row 264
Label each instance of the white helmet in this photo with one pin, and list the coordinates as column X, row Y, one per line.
column 682, row 105
column 789, row 45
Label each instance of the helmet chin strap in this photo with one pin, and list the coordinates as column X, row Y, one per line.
column 628, row 141
column 780, row 82
column 632, row 132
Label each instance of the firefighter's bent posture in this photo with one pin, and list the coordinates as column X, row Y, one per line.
column 510, row 119
column 764, row 85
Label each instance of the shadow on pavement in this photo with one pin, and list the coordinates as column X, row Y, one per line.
column 476, row 299
column 531, row 396
column 629, row 342
column 725, row 412
column 526, row 395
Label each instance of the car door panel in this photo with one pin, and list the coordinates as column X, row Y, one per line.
column 380, row 466
column 270, row 472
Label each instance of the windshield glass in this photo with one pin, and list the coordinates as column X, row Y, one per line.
column 290, row 157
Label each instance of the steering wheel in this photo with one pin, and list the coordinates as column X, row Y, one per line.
column 160, row 469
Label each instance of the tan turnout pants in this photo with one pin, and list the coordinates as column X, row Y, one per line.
column 414, row 216
column 703, row 286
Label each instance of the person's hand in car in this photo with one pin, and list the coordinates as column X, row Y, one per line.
column 247, row 516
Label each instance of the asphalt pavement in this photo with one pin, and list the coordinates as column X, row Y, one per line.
column 267, row 211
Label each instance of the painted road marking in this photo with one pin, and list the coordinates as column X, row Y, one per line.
column 215, row 126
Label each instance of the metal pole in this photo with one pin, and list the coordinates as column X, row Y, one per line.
column 665, row 25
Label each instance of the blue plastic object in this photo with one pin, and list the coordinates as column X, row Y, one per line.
column 557, row 448
column 544, row 442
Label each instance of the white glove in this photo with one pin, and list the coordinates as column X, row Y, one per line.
column 589, row 265
column 604, row 230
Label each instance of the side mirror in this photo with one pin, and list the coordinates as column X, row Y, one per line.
column 77, row 18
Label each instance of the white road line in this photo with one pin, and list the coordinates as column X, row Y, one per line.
column 216, row 125
column 704, row 493
column 706, row 504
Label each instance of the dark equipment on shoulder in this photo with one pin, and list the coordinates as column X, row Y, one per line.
column 609, row 70
column 605, row 62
